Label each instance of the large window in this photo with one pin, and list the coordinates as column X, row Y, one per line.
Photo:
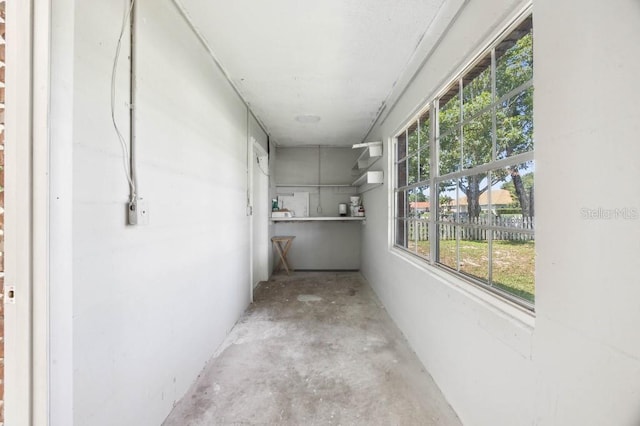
column 464, row 170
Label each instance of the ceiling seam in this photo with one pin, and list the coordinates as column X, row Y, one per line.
column 185, row 15
column 385, row 107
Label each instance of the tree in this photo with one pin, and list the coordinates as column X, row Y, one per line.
column 445, row 202
column 513, row 116
column 418, row 162
column 521, row 189
column 419, row 197
column 516, row 116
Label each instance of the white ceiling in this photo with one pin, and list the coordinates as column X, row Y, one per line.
column 335, row 59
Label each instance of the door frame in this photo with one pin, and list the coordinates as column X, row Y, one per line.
column 26, row 212
column 255, row 150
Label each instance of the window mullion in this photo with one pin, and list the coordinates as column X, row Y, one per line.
column 503, row 162
column 418, row 152
column 434, row 203
column 461, row 133
column 490, row 233
column 457, row 226
column 460, row 120
column 494, row 124
column 494, row 150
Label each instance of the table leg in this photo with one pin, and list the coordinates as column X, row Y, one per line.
column 282, row 252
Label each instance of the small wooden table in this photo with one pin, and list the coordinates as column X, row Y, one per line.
column 282, row 251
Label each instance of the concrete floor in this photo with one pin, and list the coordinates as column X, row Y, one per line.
column 314, row 349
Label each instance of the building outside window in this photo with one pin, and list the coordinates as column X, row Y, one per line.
column 464, row 168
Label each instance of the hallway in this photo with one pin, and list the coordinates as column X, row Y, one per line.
column 314, row 349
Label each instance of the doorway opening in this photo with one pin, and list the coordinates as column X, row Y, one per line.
column 260, row 214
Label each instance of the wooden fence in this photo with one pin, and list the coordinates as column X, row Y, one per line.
column 447, row 230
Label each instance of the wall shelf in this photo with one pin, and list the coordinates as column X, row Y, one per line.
column 368, row 157
column 304, row 185
column 372, row 152
column 319, row 219
column 369, row 180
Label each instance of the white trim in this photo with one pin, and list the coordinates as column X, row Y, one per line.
column 18, row 214
column 26, row 214
column 250, row 144
column 261, row 213
column 258, row 215
column 40, row 218
column 392, row 178
column 259, row 227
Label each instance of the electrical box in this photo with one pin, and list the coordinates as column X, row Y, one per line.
column 138, row 212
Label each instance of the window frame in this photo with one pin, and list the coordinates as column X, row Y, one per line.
column 431, row 110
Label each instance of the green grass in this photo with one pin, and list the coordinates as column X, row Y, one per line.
column 513, row 263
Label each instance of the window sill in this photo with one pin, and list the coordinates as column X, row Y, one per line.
column 491, row 301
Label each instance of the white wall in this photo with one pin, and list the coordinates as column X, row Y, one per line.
column 580, row 362
column 320, row 245
column 150, row 304
column 587, row 343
